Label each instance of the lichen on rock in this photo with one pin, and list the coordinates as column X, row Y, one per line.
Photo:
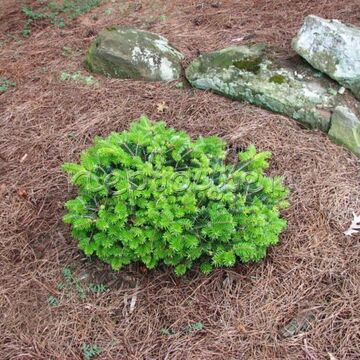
column 278, row 79
column 245, row 73
column 333, row 48
column 345, row 129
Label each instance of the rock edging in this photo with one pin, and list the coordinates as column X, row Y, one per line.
column 296, row 90
column 248, row 73
column 134, row 54
column 333, row 48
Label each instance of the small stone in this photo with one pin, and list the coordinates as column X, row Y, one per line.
column 299, row 76
column 341, row 91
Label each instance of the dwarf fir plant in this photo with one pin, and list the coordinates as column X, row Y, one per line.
column 154, row 195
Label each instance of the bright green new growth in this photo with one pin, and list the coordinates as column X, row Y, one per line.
column 154, row 195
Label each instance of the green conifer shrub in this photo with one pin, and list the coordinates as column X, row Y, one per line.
column 154, row 195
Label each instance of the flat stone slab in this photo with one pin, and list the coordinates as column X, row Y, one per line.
column 244, row 73
column 133, row 54
column 333, row 48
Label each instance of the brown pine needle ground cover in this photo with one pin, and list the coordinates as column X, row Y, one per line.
column 154, row 315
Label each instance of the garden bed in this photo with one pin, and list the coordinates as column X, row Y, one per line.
column 53, row 301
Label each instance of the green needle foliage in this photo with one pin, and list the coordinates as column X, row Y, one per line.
column 90, row 351
column 5, row 84
column 53, row 301
column 78, row 77
column 56, row 12
column 153, row 195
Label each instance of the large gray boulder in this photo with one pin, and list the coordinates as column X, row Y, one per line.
column 133, row 54
column 333, row 48
column 345, row 129
column 244, row 73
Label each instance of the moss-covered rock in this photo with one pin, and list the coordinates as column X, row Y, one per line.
column 244, row 73
column 333, row 48
column 133, row 54
column 345, row 129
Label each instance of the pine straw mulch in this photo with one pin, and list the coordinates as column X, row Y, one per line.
column 45, row 122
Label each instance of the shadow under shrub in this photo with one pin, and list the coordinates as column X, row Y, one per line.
column 152, row 194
